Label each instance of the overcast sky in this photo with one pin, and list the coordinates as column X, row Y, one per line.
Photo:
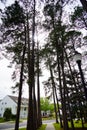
column 5, row 72
column 6, row 82
column 5, row 78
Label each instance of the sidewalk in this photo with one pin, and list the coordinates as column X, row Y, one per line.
column 50, row 127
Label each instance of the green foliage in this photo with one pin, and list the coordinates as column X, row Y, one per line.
column 7, row 114
column 44, row 102
column 77, row 13
column 46, row 105
column 13, row 19
column 43, row 127
column 78, row 18
column 57, row 126
column 51, row 106
column 13, row 15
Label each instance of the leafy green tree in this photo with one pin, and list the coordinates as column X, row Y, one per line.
column 46, row 105
column 7, row 114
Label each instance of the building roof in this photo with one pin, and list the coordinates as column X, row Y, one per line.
column 24, row 101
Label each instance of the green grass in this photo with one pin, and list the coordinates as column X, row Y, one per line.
column 41, row 128
column 2, row 120
column 22, row 129
column 57, row 126
column 76, row 125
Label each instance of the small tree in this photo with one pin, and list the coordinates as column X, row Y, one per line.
column 46, row 105
column 7, row 114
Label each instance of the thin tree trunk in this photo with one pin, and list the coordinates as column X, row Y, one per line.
column 60, row 86
column 71, row 119
column 30, row 102
column 39, row 120
column 34, row 109
column 58, row 108
column 64, row 88
column 20, row 86
column 80, row 106
column 33, row 65
column 53, row 87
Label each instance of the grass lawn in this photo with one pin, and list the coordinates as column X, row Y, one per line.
column 41, row 128
column 57, row 126
column 22, row 129
column 77, row 125
column 2, row 120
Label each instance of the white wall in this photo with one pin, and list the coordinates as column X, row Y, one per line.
column 7, row 102
column 24, row 112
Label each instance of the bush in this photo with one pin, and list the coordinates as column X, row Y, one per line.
column 7, row 114
column 13, row 117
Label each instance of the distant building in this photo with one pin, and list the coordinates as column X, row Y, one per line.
column 11, row 102
column 45, row 113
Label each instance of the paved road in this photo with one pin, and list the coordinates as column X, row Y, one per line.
column 10, row 126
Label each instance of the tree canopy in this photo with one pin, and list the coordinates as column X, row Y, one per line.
column 22, row 24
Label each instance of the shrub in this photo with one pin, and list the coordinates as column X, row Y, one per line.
column 7, row 114
column 13, row 117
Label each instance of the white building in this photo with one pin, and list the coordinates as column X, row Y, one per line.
column 11, row 102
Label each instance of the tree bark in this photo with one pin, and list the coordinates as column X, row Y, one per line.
column 39, row 120
column 53, row 88
column 20, row 85
column 61, row 125
column 31, row 122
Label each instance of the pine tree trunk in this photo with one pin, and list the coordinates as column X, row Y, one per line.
column 20, row 86
column 30, row 102
column 39, row 120
column 64, row 89
column 61, row 125
column 53, row 88
column 31, row 122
